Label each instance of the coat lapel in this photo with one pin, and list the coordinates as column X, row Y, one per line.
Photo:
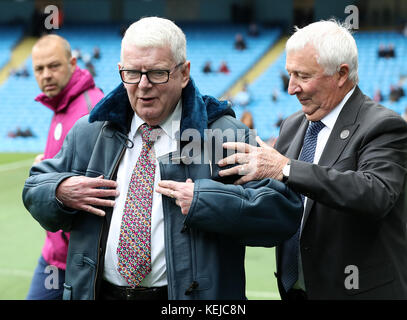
column 342, row 132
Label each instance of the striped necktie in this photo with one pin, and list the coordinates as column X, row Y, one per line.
column 290, row 248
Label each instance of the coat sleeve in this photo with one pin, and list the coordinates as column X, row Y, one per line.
column 40, row 189
column 260, row 213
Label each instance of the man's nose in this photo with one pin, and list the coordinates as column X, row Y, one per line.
column 46, row 73
column 293, row 86
column 144, row 82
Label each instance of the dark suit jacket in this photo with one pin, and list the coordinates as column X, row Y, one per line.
column 356, row 211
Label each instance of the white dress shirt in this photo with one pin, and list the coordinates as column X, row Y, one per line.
column 329, row 121
column 165, row 144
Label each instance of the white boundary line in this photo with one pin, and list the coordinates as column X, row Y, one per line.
column 16, row 272
column 15, row 165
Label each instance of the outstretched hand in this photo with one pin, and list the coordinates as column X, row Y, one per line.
column 254, row 163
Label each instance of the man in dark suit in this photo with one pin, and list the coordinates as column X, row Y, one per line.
column 347, row 156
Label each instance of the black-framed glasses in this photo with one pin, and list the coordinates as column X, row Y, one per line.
column 154, row 76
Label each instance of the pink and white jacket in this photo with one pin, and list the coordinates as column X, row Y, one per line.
column 76, row 100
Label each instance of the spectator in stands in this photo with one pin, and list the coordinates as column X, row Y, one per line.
column 274, row 95
column 77, row 54
column 396, row 92
column 20, row 133
column 254, row 30
column 386, row 51
column 89, row 64
column 240, row 42
column 223, row 68
column 70, row 93
column 25, row 133
column 96, row 53
column 391, row 51
column 382, row 51
column 247, row 119
column 243, row 97
column 20, row 72
column 11, row 134
column 201, row 254
column 207, row 68
column 378, row 97
column 285, row 80
column 346, row 155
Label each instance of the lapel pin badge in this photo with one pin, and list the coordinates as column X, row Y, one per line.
column 344, row 134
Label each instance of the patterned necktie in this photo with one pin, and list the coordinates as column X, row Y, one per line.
column 289, row 263
column 134, row 249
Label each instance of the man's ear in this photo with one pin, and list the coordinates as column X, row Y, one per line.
column 343, row 74
column 186, row 69
column 73, row 63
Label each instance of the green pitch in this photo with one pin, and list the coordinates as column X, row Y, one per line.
column 21, row 239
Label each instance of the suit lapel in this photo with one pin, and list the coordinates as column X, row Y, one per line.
column 343, row 130
column 293, row 151
column 345, row 126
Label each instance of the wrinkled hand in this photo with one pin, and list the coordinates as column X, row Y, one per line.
column 38, row 158
column 182, row 192
column 84, row 193
column 255, row 163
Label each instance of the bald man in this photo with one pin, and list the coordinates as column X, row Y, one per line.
column 70, row 93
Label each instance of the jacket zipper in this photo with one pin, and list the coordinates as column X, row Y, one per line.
column 167, row 241
column 192, row 236
column 103, row 223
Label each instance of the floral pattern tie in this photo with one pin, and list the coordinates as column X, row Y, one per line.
column 134, row 249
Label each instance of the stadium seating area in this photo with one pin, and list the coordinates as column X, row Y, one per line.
column 10, row 35
column 19, row 109
column 205, row 42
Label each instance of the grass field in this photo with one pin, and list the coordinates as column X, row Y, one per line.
column 21, row 239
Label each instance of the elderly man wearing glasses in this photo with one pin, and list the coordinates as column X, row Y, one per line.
column 137, row 185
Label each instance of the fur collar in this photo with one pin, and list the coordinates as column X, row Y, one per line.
column 197, row 110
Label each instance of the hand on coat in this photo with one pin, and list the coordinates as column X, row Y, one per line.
column 182, row 192
column 255, row 163
column 84, row 193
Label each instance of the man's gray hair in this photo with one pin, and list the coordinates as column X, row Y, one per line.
column 333, row 42
column 157, row 32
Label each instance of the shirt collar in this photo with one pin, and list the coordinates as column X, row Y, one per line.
column 330, row 119
column 170, row 126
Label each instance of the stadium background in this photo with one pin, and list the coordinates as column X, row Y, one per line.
column 210, row 27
